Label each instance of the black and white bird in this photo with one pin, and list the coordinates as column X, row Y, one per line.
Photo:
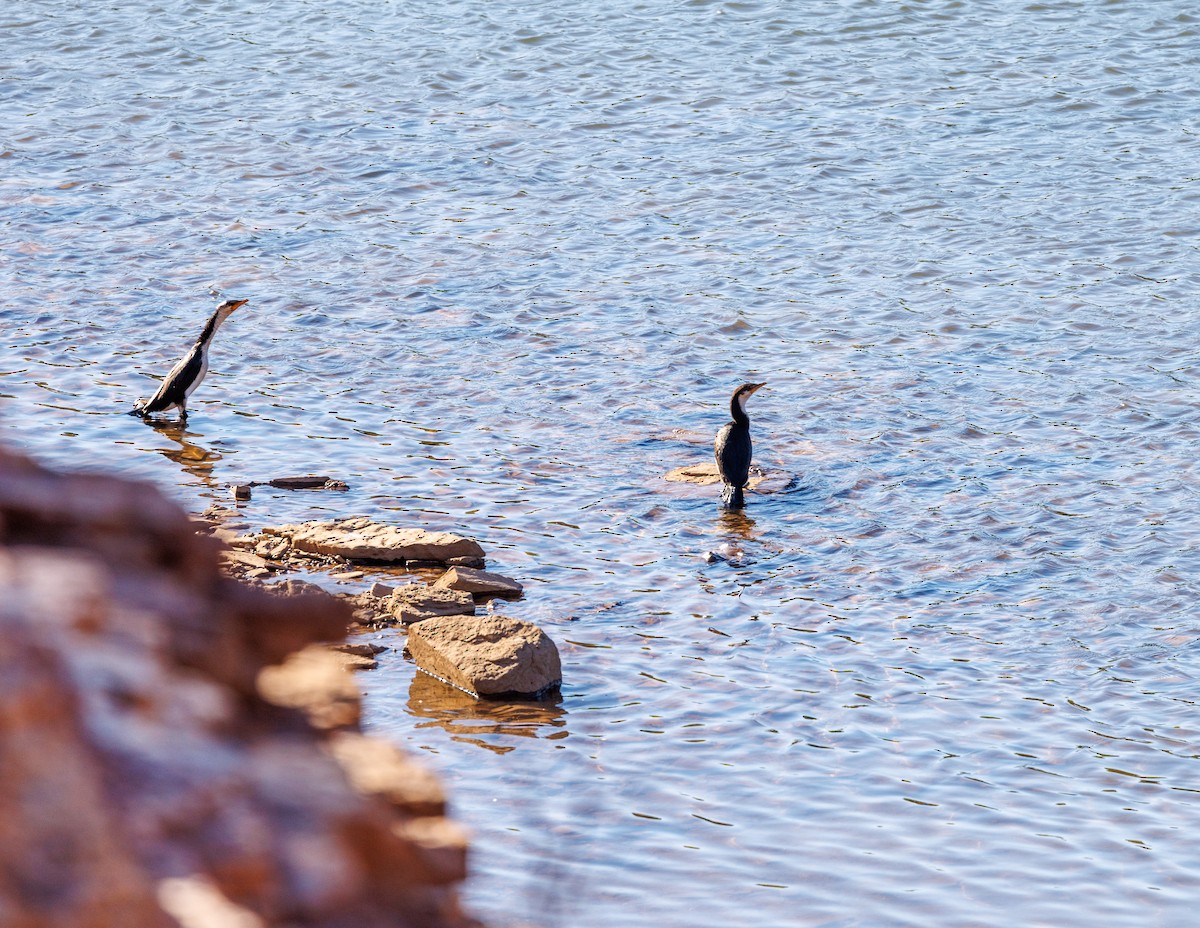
column 733, row 448
column 188, row 374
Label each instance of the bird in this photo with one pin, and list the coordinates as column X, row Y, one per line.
column 733, row 449
column 185, row 376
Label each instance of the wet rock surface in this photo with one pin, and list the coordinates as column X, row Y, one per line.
column 174, row 742
column 417, row 603
column 361, row 539
column 705, row 474
column 492, row 656
column 478, row 582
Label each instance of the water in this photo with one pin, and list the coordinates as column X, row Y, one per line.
column 507, row 261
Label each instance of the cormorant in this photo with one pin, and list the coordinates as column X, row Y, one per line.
column 733, row 448
column 185, row 376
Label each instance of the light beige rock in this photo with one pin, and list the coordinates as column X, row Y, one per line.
column 273, row 547
column 244, row 558
column 478, row 582
column 491, row 655
column 362, row 539
column 704, row 474
column 417, row 602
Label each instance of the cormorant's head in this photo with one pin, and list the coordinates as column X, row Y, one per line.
column 228, row 307
column 744, row 392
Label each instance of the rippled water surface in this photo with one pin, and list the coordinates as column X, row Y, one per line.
column 506, row 262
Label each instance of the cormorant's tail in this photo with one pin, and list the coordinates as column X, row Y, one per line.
column 732, row 498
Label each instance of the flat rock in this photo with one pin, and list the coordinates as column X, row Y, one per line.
column 706, row 473
column 478, row 582
column 417, row 602
column 272, row 547
column 490, row 655
column 307, row 482
column 362, row 539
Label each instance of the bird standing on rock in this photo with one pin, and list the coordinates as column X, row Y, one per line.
column 185, row 376
column 733, row 448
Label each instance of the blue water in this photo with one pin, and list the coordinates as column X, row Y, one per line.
column 506, row 263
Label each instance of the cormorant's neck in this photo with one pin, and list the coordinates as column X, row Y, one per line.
column 738, row 413
column 210, row 329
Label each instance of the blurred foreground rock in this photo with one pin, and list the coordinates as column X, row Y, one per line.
column 165, row 760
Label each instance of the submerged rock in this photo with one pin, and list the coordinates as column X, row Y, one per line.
column 361, row 539
column 307, row 482
column 478, row 582
column 706, row 473
column 492, row 655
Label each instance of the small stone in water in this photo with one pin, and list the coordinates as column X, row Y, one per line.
column 241, row 491
column 348, row 575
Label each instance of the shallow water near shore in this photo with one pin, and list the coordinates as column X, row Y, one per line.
column 506, row 262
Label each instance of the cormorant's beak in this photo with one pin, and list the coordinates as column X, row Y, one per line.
column 755, row 387
column 238, row 304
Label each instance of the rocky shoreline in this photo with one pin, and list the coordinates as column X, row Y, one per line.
column 181, row 747
column 435, row 603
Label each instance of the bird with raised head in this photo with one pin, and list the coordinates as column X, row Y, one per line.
column 185, row 376
column 733, row 448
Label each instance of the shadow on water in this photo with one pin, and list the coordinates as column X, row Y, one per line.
column 473, row 721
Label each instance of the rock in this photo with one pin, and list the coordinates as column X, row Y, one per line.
column 361, row 539
column 705, row 474
column 478, row 582
column 378, row 768
column 315, row 682
column 307, row 482
column 146, row 779
column 347, row 575
column 241, row 491
column 358, row 662
column 416, row 603
column 272, row 547
column 477, row 562
column 493, row 655
column 381, row 590
column 361, row 648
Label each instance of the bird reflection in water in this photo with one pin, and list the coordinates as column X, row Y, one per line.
column 483, row 721
column 194, row 459
column 736, row 530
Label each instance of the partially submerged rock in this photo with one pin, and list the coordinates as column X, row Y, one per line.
column 307, row 482
column 417, row 602
column 361, row 539
column 478, row 582
column 706, row 473
column 492, row 655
